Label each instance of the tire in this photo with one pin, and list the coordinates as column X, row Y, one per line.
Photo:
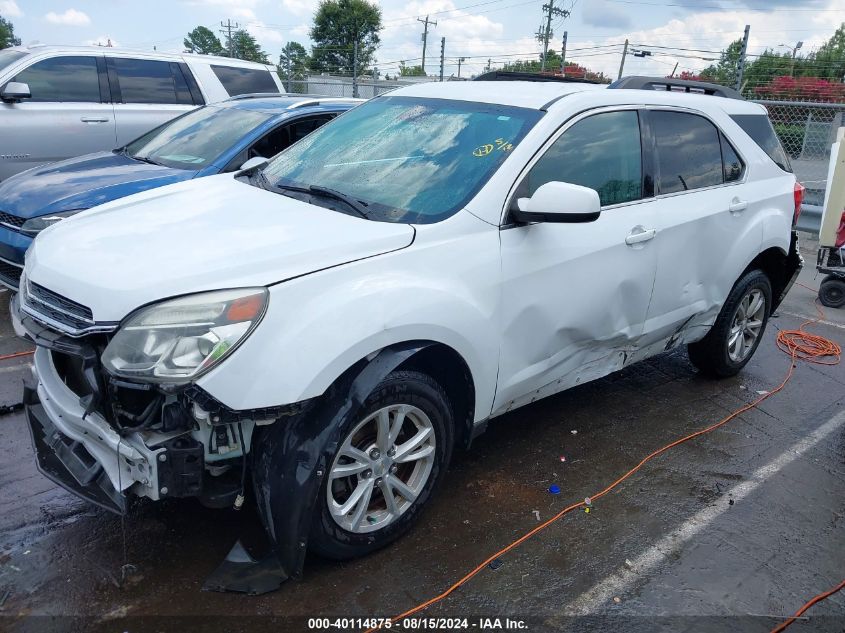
column 832, row 292
column 719, row 354
column 365, row 529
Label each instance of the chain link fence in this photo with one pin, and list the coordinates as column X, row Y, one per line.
column 332, row 86
column 807, row 130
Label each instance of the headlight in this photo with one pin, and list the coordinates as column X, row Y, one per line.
column 177, row 340
column 34, row 226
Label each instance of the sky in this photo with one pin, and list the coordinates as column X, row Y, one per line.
column 687, row 32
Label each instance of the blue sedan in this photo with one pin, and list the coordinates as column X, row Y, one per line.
column 214, row 139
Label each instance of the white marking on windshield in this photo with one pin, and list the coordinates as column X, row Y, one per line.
column 375, row 160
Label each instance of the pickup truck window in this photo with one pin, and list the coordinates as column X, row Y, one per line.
column 195, row 139
column 63, row 79
column 7, row 57
column 406, row 159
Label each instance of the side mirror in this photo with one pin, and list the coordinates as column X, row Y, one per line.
column 15, row 91
column 254, row 163
column 559, row 202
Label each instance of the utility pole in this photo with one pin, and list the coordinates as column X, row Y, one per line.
column 461, row 60
column 563, row 55
column 624, row 55
column 489, row 64
column 289, row 70
column 674, row 70
column 550, row 10
column 425, row 37
column 442, row 56
column 741, row 68
column 355, row 66
column 227, row 31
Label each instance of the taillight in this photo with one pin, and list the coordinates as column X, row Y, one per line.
column 798, row 195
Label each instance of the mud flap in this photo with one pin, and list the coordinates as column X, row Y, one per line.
column 288, row 470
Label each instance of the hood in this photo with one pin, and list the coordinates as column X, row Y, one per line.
column 206, row 234
column 82, row 183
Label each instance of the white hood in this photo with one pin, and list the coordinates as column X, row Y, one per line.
column 200, row 235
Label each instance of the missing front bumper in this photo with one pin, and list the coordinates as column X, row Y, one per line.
column 66, row 462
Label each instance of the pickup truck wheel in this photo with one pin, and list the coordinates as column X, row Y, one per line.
column 735, row 335
column 392, row 456
column 832, row 292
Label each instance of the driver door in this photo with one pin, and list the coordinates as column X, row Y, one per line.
column 575, row 296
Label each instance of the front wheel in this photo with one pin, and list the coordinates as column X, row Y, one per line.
column 392, row 456
column 735, row 335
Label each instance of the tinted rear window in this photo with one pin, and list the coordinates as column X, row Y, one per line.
column 759, row 128
column 688, row 150
column 242, row 81
column 150, row 81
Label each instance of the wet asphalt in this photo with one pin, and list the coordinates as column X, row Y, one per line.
column 729, row 532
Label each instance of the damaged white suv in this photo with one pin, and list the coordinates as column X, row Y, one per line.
column 326, row 329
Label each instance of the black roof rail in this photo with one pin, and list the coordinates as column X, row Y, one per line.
column 502, row 75
column 668, row 84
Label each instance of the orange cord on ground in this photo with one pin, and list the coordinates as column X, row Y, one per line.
column 799, row 344
column 17, row 354
column 801, row 611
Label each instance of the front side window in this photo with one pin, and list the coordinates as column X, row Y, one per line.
column 689, row 154
column 197, row 138
column 602, row 152
column 242, row 81
column 8, row 57
column 149, row 81
column 405, row 159
column 63, row 79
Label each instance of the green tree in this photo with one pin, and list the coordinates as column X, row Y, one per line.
column 338, row 25
column 293, row 65
column 410, row 71
column 770, row 64
column 725, row 70
column 829, row 61
column 7, row 34
column 246, row 47
column 202, row 40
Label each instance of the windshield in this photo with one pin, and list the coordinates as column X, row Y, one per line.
column 406, row 159
column 197, row 138
column 9, row 56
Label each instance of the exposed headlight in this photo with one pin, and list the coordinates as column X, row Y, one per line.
column 34, row 226
column 177, row 340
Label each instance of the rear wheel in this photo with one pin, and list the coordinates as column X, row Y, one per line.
column 832, row 292
column 735, row 335
column 392, row 457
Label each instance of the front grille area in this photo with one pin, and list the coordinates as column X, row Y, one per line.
column 10, row 275
column 11, row 221
column 55, row 300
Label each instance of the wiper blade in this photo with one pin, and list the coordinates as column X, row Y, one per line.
column 349, row 201
column 144, row 159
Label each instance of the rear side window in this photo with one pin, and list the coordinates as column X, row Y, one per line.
column 150, row 81
column 241, row 81
column 63, row 79
column 689, row 153
column 602, row 152
column 760, row 129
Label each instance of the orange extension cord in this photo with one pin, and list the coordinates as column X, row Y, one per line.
column 801, row 611
column 799, row 344
column 16, row 355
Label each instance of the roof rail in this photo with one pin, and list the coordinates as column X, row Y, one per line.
column 668, row 84
column 257, row 95
column 318, row 100
column 502, row 75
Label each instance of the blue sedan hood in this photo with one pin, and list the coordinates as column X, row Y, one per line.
column 81, row 183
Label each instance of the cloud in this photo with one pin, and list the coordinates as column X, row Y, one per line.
column 605, row 15
column 71, row 17
column 10, row 9
column 270, row 38
column 243, row 9
column 300, row 7
column 103, row 40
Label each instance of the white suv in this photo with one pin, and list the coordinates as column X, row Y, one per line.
column 58, row 102
column 368, row 300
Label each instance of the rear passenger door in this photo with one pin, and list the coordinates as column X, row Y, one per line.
column 706, row 230
column 68, row 114
column 147, row 93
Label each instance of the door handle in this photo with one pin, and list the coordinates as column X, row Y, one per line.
column 639, row 235
column 93, row 119
column 737, row 205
